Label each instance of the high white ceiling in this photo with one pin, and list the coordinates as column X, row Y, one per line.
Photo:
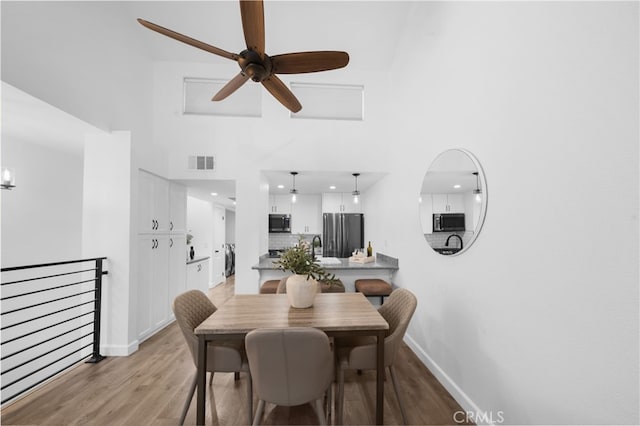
column 367, row 30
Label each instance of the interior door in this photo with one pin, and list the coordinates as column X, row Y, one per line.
column 219, row 238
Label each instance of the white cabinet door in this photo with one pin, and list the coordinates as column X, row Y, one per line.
column 198, row 276
column 177, row 208
column 448, row 203
column 153, row 204
column 440, row 204
column 332, row 202
column 145, row 272
column 456, row 203
column 306, row 215
column 177, row 267
column 146, row 221
column 159, row 296
column 153, row 309
column 161, row 204
column 340, row 202
column 280, row 204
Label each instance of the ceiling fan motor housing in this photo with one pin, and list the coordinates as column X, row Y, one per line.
column 255, row 66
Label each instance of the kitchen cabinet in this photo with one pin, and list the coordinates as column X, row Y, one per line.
column 153, row 284
column 306, row 215
column 162, row 205
column 161, row 251
column 340, row 202
column 280, row 204
column 177, row 208
column 177, row 268
column 198, row 275
column 448, row 203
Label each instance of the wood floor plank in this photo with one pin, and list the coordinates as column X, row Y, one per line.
column 151, row 385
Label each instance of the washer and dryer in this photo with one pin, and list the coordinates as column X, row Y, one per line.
column 230, row 259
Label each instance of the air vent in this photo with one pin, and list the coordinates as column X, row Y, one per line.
column 201, row 162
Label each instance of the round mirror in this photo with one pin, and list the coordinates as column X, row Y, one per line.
column 453, row 202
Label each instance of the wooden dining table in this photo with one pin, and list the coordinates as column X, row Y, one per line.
column 337, row 314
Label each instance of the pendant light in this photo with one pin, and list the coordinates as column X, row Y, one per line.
column 477, row 191
column 356, row 193
column 293, row 190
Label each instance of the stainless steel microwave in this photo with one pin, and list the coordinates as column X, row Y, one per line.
column 448, row 222
column 280, row 223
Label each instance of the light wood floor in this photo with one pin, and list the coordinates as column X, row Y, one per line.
column 150, row 386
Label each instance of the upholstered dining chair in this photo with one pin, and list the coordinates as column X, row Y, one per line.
column 360, row 353
column 282, row 286
column 290, row 366
column 190, row 309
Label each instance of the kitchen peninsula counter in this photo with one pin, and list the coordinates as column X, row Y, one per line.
column 383, row 267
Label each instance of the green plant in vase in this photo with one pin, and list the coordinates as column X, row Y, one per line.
column 307, row 272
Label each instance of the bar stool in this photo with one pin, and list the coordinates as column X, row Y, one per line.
column 374, row 287
column 337, row 287
column 269, row 287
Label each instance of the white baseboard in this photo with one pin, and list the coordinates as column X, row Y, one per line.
column 458, row 394
column 120, row 350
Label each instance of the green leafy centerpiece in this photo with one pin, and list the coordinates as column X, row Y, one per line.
column 302, row 286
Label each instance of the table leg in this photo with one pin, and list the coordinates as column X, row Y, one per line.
column 202, row 379
column 380, row 379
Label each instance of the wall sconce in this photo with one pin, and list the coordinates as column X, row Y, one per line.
column 8, row 178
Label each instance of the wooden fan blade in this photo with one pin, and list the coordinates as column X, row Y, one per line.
column 252, row 12
column 188, row 40
column 233, row 85
column 281, row 92
column 301, row 62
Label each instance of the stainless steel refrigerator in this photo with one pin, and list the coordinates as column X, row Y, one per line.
column 342, row 233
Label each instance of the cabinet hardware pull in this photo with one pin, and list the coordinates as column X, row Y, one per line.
column 170, row 242
column 170, row 226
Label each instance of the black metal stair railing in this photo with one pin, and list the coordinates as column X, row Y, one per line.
column 50, row 321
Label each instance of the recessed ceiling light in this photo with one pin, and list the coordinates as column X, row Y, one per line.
column 215, row 194
column 280, row 186
column 332, row 187
column 456, row 186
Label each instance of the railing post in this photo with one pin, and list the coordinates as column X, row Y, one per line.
column 95, row 356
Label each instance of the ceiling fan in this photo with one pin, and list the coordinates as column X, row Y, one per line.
column 257, row 65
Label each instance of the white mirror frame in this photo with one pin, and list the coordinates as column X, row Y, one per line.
column 425, row 214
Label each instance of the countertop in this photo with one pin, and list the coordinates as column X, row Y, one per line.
column 197, row 259
column 382, row 262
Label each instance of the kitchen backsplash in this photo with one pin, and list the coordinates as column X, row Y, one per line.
column 437, row 239
column 283, row 241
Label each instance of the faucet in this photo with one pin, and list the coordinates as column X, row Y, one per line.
column 453, row 235
column 313, row 245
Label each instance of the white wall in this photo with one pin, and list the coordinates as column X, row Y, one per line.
column 539, row 319
column 42, row 216
column 103, row 80
column 107, row 231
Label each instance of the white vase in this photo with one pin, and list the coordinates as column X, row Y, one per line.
column 301, row 291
